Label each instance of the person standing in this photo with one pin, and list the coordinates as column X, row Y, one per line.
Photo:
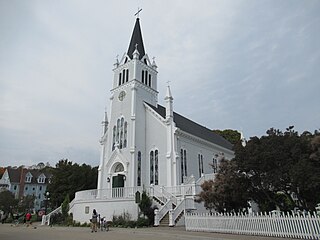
column 28, row 218
column 94, row 221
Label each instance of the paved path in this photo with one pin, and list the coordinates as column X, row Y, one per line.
column 37, row 232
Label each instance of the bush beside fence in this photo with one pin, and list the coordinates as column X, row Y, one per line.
column 305, row 226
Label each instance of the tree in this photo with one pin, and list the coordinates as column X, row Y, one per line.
column 228, row 191
column 207, row 196
column 26, row 203
column 233, row 136
column 279, row 165
column 68, row 178
column 145, row 206
column 8, row 203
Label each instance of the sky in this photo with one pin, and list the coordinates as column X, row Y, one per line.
column 245, row 65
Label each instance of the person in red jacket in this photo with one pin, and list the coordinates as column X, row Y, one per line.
column 28, row 218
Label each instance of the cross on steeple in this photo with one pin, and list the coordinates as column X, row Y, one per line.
column 137, row 13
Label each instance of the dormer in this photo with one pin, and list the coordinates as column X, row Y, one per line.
column 41, row 178
column 28, row 177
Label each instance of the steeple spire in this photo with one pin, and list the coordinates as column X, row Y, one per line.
column 136, row 38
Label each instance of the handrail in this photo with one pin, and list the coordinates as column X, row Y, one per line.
column 46, row 218
column 164, row 209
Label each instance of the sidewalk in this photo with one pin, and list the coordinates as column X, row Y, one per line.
column 37, row 232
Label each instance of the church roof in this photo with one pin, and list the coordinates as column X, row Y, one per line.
column 194, row 128
column 136, row 38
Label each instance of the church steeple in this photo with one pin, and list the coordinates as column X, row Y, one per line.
column 136, row 41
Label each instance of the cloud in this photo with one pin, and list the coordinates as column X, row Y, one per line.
column 244, row 65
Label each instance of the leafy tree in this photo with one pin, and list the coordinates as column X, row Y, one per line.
column 8, row 203
column 228, row 191
column 208, row 196
column 68, row 178
column 233, row 136
column 26, row 203
column 280, row 163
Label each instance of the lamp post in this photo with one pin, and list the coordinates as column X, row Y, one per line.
column 46, row 201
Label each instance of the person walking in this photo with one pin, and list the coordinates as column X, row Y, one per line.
column 94, row 221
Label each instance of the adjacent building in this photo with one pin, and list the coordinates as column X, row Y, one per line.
column 23, row 182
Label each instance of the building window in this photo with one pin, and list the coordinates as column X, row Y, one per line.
column 114, row 137
column 86, row 209
column 142, row 76
column 139, row 170
column 185, row 162
column 120, row 134
column 182, row 167
column 183, row 159
column 125, row 134
column 146, row 77
column 119, row 79
column 28, row 177
column 156, row 173
column 119, row 168
column 41, row 178
column 154, row 167
column 151, row 168
column 215, row 163
column 123, row 75
column 127, row 75
column 40, row 189
column 200, row 160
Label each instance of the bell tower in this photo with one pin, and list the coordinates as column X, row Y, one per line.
column 134, row 83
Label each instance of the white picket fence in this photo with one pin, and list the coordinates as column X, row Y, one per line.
column 306, row 226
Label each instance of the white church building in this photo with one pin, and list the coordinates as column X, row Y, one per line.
column 146, row 146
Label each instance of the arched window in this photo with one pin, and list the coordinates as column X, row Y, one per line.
column 119, row 79
column 139, row 170
column 125, row 135
column 123, row 75
column 127, row 75
column 200, row 160
column 151, row 167
column 118, row 131
column 215, row 163
column 183, row 163
column 119, row 168
column 182, row 167
column 120, row 134
column 146, row 77
column 156, row 173
column 142, row 76
column 149, row 84
column 114, row 137
column 154, row 167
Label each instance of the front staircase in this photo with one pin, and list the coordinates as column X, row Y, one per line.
column 172, row 202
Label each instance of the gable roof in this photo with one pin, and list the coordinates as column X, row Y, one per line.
column 16, row 175
column 194, row 128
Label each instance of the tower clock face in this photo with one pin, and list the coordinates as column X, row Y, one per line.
column 122, row 95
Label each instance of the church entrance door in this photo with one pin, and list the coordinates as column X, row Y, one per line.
column 117, row 186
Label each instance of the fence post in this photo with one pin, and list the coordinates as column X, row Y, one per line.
column 156, row 218
column 171, row 221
